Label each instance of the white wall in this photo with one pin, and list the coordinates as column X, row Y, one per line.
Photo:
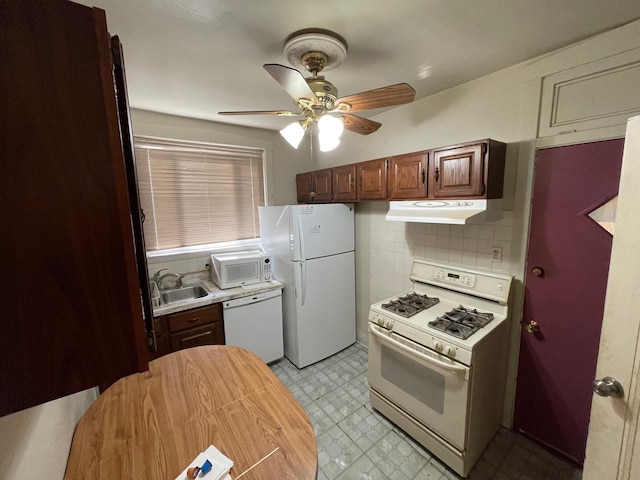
column 35, row 442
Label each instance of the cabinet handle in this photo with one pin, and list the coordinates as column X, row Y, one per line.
column 424, row 175
column 437, row 174
column 197, row 335
column 192, row 319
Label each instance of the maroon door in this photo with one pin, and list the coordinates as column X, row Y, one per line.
column 566, row 296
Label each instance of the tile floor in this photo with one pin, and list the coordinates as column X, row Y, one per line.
column 354, row 442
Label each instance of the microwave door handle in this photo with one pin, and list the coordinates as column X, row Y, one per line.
column 454, row 369
column 303, row 257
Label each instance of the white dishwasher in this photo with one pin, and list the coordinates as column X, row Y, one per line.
column 254, row 322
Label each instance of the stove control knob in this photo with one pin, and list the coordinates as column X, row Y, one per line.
column 438, row 346
column 388, row 323
column 450, row 351
column 380, row 320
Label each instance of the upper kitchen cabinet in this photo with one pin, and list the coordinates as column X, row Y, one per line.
column 344, row 183
column 407, row 176
column 372, row 179
column 595, row 95
column 71, row 296
column 467, row 170
column 314, row 186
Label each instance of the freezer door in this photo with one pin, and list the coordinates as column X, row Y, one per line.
column 325, row 312
column 321, row 230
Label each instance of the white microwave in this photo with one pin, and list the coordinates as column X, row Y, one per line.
column 230, row 270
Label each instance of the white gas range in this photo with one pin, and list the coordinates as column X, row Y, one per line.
column 437, row 359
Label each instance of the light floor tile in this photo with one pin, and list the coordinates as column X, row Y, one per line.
column 356, row 442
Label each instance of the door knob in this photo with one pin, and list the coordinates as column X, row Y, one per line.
column 532, row 327
column 608, row 387
column 537, row 271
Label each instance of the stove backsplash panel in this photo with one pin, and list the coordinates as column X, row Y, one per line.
column 394, row 245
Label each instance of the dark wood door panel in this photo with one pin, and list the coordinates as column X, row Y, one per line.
column 70, row 291
column 407, row 174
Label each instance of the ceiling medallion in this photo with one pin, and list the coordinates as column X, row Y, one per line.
column 315, row 50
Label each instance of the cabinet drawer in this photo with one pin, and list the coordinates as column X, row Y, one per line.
column 212, row 334
column 194, row 318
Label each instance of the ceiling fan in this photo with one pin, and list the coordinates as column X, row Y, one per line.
column 317, row 98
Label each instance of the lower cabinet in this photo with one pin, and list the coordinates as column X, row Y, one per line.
column 207, row 335
column 189, row 328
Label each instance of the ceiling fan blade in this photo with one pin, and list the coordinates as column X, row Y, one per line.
column 280, row 113
column 380, row 97
column 360, row 125
column 292, row 81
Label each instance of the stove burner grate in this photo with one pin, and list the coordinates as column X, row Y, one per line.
column 461, row 322
column 410, row 304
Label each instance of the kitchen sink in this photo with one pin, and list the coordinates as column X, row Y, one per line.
column 185, row 293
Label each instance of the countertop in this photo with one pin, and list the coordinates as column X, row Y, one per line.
column 218, row 294
column 151, row 425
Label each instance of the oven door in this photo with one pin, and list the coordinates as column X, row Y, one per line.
column 430, row 387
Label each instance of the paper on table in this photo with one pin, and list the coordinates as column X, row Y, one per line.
column 220, row 469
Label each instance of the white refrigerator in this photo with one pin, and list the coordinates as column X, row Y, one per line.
column 312, row 248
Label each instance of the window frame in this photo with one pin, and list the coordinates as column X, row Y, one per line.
column 197, row 251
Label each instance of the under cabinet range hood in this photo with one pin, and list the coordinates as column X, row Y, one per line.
column 445, row 211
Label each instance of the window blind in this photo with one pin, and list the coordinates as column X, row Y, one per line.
column 196, row 193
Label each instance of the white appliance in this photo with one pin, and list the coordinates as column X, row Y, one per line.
column 312, row 247
column 437, row 359
column 255, row 323
column 236, row 269
column 446, row 211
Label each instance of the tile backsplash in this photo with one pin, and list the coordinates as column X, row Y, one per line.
column 394, row 245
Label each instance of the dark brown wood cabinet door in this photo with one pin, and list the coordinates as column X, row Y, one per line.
column 194, row 318
column 322, row 185
column 407, row 176
column 344, row 183
column 304, row 187
column 72, row 314
column 211, row 334
column 457, row 172
column 372, row 179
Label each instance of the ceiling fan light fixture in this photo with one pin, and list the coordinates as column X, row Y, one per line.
column 327, row 141
column 330, row 126
column 293, row 134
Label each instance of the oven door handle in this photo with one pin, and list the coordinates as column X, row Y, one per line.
column 425, row 358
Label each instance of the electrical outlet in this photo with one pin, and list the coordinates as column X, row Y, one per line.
column 496, row 254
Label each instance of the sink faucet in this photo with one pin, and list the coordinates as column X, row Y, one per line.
column 159, row 278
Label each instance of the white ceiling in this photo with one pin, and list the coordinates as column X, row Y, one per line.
column 197, row 57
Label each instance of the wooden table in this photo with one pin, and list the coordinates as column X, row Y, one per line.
column 151, row 425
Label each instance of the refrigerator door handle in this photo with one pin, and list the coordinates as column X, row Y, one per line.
column 303, row 282
column 303, row 257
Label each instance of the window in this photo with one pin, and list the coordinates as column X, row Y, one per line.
column 197, row 193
